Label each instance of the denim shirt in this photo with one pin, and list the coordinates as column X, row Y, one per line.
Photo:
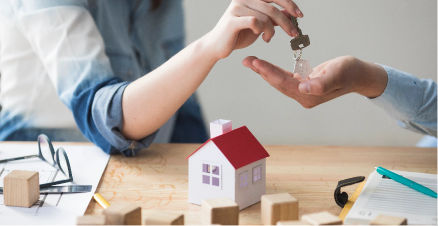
column 65, row 65
column 411, row 101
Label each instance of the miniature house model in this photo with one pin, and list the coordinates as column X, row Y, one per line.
column 231, row 164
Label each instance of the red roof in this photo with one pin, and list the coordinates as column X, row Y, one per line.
column 239, row 146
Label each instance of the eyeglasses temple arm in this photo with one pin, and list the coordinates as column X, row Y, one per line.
column 18, row 158
column 46, row 185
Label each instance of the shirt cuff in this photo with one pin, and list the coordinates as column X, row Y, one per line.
column 108, row 118
column 403, row 95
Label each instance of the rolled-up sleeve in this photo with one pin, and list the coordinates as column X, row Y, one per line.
column 410, row 100
column 107, row 115
column 66, row 39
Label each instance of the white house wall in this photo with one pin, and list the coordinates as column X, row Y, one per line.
column 252, row 193
column 210, row 153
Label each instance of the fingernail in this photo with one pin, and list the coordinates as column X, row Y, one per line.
column 298, row 11
column 304, row 88
column 295, row 33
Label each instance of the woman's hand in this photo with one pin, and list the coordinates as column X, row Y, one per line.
column 245, row 20
column 328, row 81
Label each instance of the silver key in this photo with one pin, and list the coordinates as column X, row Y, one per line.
column 303, row 68
column 300, row 42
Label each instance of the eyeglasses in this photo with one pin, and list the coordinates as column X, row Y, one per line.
column 57, row 159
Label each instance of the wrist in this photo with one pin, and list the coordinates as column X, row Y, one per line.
column 208, row 47
column 373, row 80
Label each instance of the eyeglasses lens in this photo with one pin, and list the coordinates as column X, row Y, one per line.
column 45, row 149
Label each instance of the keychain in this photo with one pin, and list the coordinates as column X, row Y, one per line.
column 302, row 66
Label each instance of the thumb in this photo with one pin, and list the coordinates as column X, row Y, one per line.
column 319, row 86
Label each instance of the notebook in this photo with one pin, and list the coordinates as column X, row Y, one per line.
column 385, row 196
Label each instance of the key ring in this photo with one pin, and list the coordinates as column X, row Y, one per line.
column 299, row 55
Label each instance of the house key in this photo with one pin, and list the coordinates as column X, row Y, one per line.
column 302, row 66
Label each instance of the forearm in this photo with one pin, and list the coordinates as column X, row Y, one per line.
column 151, row 100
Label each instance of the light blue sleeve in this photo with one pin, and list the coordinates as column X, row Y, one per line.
column 410, row 100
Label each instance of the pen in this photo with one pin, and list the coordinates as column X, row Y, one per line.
column 405, row 181
column 99, row 199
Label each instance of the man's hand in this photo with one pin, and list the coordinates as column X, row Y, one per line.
column 245, row 20
column 328, row 81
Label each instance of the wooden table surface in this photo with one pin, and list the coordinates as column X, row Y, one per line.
column 156, row 179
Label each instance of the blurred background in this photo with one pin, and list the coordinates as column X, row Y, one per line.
column 398, row 33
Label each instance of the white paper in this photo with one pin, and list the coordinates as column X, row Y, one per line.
column 87, row 165
column 388, row 197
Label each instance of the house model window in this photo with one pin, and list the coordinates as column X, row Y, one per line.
column 243, row 180
column 257, row 173
column 211, row 175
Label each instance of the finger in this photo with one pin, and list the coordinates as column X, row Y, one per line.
column 289, row 6
column 321, row 66
column 266, row 64
column 275, row 77
column 322, row 85
column 275, row 15
column 297, row 76
column 248, row 62
column 311, row 101
column 286, row 14
column 268, row 26
column 248, row 22
column 318, row 71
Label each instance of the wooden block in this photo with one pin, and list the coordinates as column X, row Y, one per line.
column 222, row 211
column 279, row 207
column 91, row 220
column 321, row 218
column 21, row 188
column 389, row 220
column 164, row 218
column 292, row 223
column 119, row 214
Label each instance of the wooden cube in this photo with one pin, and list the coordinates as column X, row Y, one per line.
column 321, row 218
column 119, row 214
column 21, row 188
column 222, row 211
column 164, row 218
column 292, row 223
column 279, row 207
column 91, row 220
column 389, row 220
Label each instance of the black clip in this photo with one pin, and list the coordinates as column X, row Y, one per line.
column 342, row 198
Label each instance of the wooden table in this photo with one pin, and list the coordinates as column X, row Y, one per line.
column 156, row 179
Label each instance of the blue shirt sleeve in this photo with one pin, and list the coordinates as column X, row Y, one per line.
column 410, row 100
column 107, row 117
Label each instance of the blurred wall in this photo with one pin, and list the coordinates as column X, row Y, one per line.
column 398, row 33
